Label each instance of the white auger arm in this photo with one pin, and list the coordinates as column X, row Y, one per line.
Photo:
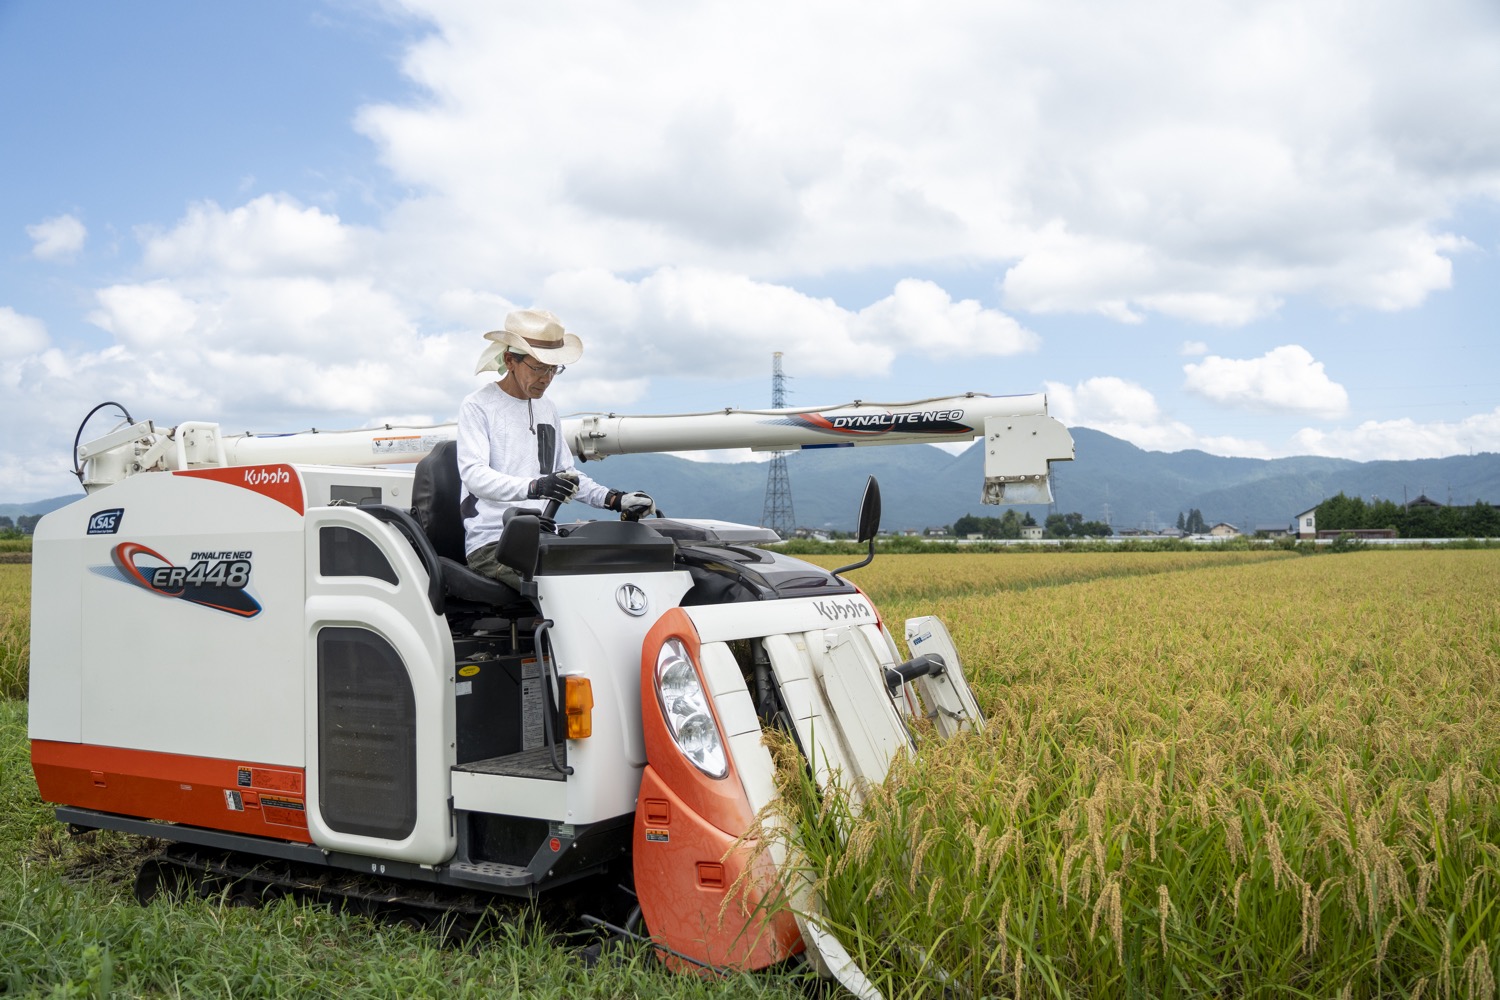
column 1020, row 439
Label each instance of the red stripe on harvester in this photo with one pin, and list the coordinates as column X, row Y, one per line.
column 173, row 787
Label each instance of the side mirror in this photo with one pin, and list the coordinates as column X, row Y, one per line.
column 869, row 524
column 520, row 542
column 869, row 511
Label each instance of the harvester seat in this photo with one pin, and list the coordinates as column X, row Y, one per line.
column 435, row 506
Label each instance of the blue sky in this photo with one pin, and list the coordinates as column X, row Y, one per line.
column 1257, row 230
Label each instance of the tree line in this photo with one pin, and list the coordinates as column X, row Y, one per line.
column 1009, row 525
column 24, row 525
column 1342, row 513
column 1192, row 522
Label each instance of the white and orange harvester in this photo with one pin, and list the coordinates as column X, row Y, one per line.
column 272, row 646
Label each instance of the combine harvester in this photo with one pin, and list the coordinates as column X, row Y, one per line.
column 269, row 648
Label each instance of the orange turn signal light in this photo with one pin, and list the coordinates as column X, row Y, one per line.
column 578, row 704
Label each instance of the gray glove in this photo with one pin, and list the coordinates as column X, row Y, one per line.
column 559, row 486
column 637, row 505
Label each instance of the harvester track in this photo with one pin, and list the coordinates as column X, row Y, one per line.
column 184, row 870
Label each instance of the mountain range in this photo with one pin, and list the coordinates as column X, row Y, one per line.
column 1110, row 480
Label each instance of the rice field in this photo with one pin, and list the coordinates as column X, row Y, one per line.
column 1278, row 777
column 15, row 628
column 1205, row 774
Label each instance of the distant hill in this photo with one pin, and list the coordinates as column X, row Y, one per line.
column 15, row 510
column 927, row 487
column 1247, row 492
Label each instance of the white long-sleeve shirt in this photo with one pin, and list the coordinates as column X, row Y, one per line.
column 503, row 444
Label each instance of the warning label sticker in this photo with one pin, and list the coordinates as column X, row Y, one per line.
column 406, row 444
column 270, row 779
column 283, row 812
column 658, row 836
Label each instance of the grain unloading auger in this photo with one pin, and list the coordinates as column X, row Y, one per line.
column 267, row 645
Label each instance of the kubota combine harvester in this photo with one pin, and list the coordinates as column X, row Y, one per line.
column 271, row 646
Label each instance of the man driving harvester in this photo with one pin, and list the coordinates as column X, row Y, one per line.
column 511, row 451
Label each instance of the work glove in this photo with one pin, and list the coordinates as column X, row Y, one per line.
column 633, row 506
column 559, row 486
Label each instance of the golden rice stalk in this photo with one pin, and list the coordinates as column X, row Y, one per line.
column 1234, row 898
column 923, row 846
column 932, row 893
column 1108, row 907
column 1273, row 851
column 1163, row 907
column 1477, row 973
column 1385, row 940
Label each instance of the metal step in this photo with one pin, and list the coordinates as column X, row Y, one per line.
column 490, row 873
column 535, row 764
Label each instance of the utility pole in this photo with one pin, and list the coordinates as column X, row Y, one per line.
column 777, row 513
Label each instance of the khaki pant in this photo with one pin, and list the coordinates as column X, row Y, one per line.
column 484, row 562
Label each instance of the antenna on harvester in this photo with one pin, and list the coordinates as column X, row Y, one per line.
column 777, row 514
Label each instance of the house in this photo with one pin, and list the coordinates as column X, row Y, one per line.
column 1272, row 531
column 1223, row 530
column 1305, row 524
column 1031, row 532
column 1423, row 501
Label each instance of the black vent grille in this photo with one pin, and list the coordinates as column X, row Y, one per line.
column 367, row 728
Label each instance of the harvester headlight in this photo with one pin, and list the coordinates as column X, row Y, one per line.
column 685, row 707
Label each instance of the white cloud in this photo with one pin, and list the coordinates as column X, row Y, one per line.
column 711, row 324
column 921, row 318
column 271, row 234
column 1064, row 151
column 1120, row 408
column 1286, row 378
column 57, row 238
column 1193, row 349
column 20, row 335
column 1376, row 440
column 1129, row 411
column 145, row 315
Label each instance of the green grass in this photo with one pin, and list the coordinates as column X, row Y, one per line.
column 69, row 928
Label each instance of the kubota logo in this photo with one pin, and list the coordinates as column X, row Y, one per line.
column 267, row 477
column 838, row 611
column 631, row 599
column 214, row 580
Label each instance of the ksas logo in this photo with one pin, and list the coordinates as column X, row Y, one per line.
column 106, row 522
column 214, row 582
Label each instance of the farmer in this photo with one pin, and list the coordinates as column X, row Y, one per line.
column 511, row 451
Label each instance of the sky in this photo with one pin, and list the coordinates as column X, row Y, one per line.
column 1258, row 230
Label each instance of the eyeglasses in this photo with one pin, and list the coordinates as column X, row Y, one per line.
column 543, row 370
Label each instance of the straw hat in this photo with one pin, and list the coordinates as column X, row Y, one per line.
column 531, row 331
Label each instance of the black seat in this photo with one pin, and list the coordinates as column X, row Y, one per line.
column 436, row 488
